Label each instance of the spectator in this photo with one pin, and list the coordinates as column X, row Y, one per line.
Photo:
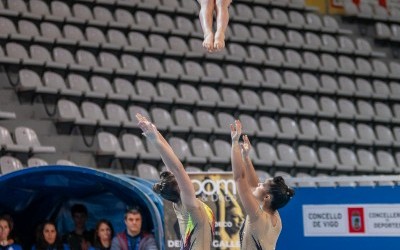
column 6, row 229
column 80, row 237
column 104, row 233
column 47, row 238
column 133, row 238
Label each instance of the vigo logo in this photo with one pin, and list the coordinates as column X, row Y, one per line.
column 211, row 187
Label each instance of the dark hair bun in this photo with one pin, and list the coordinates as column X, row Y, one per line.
column 278, row 179
column 290, row 192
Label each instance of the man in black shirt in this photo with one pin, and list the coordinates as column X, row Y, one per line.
column 80, row 238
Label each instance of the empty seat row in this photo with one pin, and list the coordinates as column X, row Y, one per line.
column 114, row 38
column 201, row 152
column 372, row 11
column 386, row 32
column 25, row 141
column 203, row 122
column 9, row 163
column 122, row 90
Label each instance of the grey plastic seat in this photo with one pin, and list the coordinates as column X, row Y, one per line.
column 17, row 5
column 295, row 38
column 131, row 62
column 79, row 84
column 185, row 119
column 225, row 120
column 7, row 143
column 348, row 160
column 292, row 79
column 309, row 105
column 102, row 14
column 36, row 162
column 116, row 37
column 147, row 171
column 109, row 60
column 251, row 98
column 95, row 35
column 158, row 41
column 347, row 131
column 346, row 108
column 203, row 149
column 82, row 11
column 277, row 36
column 73, row 32
column 244, row 11
column 152, row 65
column 183, row 152
column 237, row 50
column 123, row 86
column 117, row 113
column 307, row 156
column 54, row 80
column 383, row 31
column 193, row 68
column 269, row 127
column 329, row 63
column 386, row 162
column 164, row 121
column 383, row 111
column 230, row 98
column 287, row 155
column 251, row 127
column 328, row 131
column 366, row 133
column 275, row 57
column 60, row 9
column 164, row 21
column 189, row 94
column 328, row 106
column 134, row 148
column 346, row 45
column 146, row 89
column 206, row 120
column 384, row 134
column 101, row 84
column 210, row 95
column 178, row 44
column 259, row 33
column 271, row 101
column 65, row 163
column 311, row 61
column 364, row 87
column 16, row 50
column 214, row 71
column 28, row 137
column 367, row 161
column 240, row 30
column 167, row 91
column 297, row 20
column 266, row 153
column 365, row 109
column 86, row 58
column 144, row 19
column 310, row 82
column 69, row 114
column 364, row 67
column 289, row 128
column 347, row 65
column 328, row 84
column 184, row 24
column 7, row 26
column 222, row 149
column 346, row 85
column 394, row 69
column 50, row 30
column 293, row 59
column 380, row 68
column 312, row 40
column 39, row 7
column 28, row 28
column 260, row 12
column 108, row 145
column 328, row 159
column 93, row 112
column 381, row 88
column 308, row 128
column 313, row 21
column 330, row 43
column 124, row 16
column 290, row 104
column 10, row 164
column 279, row 17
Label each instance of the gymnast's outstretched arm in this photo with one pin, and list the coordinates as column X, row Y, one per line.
column 171, row 161
column 251, row 174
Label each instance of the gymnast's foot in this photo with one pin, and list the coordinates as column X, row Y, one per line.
column 219, row 41
column 208, row 42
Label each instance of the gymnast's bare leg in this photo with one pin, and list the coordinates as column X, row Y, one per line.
column 222, row 23
column 206, row 20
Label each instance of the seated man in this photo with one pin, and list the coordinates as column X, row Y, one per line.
column 133, row 238
column 80, row 237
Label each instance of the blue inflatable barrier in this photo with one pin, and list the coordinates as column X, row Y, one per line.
column 34, row 194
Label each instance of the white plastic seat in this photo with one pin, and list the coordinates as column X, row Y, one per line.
column 35, row 162
column 147, row 171
column 10, row 164
column 28, row 137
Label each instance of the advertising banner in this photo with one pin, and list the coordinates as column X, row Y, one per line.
column 346, row 218
column 218, row 191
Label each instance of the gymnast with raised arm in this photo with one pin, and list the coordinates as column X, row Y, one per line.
column 260, row 201
column 214, row 42
column 196, row 219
